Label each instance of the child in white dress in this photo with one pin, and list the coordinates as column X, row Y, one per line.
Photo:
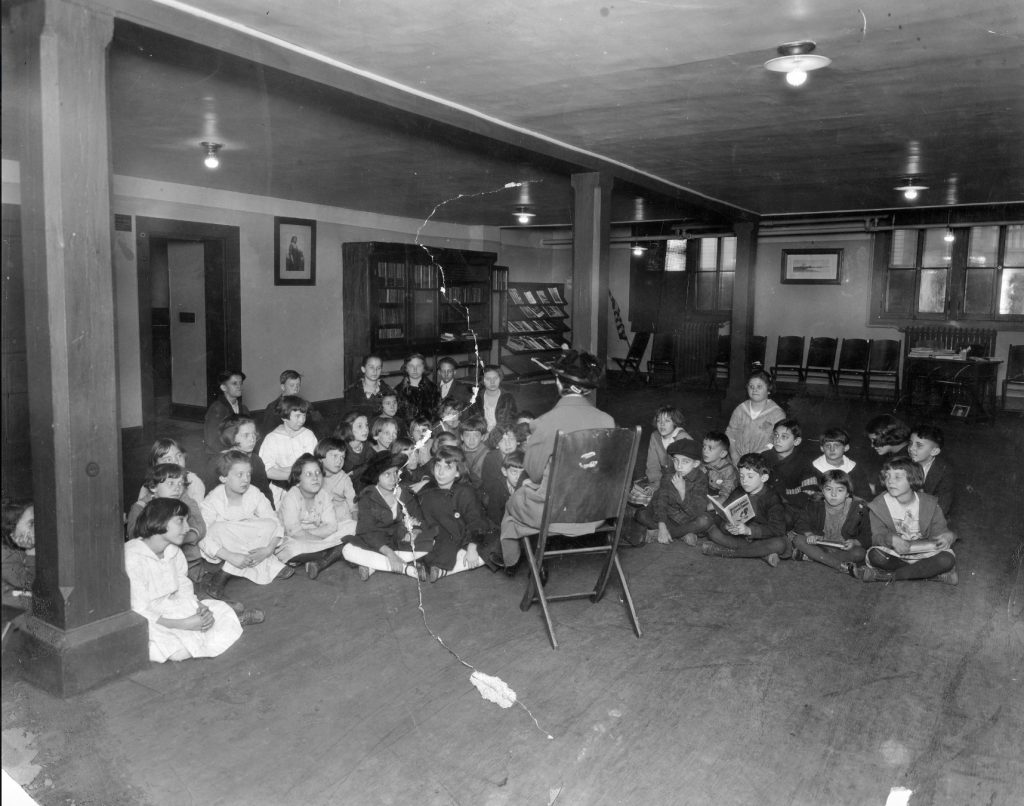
column 242, row 529
column 286, row 443
column 180, row 626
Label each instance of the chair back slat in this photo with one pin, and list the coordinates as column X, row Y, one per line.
column 1015, row 363
column 853, row 355
column 590, row 474
column 822, row 352
column 884, row 356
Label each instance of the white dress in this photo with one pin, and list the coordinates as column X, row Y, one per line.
column 160, row 587
column 252, row 524
column 297, row 514
column 343, row 494
column 282, row 447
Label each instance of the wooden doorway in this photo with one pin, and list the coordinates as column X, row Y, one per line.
column 220, row 320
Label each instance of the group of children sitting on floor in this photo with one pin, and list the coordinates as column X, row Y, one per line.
column 425, row 498
column 755, row 491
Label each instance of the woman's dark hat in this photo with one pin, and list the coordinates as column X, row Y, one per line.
column 578, row 368
column 380, row 463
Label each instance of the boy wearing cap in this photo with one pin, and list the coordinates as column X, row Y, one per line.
column 576, row 374
column 679, row 506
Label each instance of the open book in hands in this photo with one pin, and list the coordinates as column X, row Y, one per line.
column 737, row 512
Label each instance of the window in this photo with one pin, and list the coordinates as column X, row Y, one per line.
column 716, row 269
column 943, row 273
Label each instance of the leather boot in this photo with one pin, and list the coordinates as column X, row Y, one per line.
column 709, row 549
column 216, row 583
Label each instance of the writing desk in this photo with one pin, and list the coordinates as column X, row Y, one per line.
column 931, row 381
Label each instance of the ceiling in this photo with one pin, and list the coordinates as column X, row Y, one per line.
column 429, row 111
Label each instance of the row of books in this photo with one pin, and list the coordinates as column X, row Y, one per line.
column 540, row 311
column 390, row 316
column 538, row 296
column 530, row 326
column 385, row 333
column 424, row 276
column 465, row 293
column 527, row 343
column 390, row 273
column 391, row 295
column 499, row 280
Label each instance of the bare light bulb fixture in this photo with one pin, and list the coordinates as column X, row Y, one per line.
column 949, row 237
column 523, row 215
column 638, row 250
column 211, row 160
column 796, row 60
column 911, row 188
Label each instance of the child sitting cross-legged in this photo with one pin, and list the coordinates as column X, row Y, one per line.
column 238, row 432
column 833, row 530
column 313, row 536
column 669, row 427
column 789, row 469
column 763, row 536
column 451, row 507
column 242, row 529
column 679, row 506
column 499, row 489
column 169, row 451
column 286, row 443
column 180, row 625
column 354, row 431
column 472, row 431
column 390, row 535
column 337, row 483
column 909, row 535
column 417, row 470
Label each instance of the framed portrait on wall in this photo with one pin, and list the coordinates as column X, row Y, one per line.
column 294, row 251
column 812, row 266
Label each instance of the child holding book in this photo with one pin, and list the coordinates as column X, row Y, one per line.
column 751, row 423
column 242, row 529
column 180, row 626
column 679, row 507
column 909, row 535
column 764, row 535
column 833, row 530
column 834, row 443
column 722, row 476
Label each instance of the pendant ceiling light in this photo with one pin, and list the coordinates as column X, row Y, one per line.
column 910, row 188
column 796, row 60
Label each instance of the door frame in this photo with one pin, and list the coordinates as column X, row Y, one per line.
column 223, row 302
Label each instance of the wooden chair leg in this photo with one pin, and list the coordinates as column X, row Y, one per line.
column 534, row 582
column 627, row 597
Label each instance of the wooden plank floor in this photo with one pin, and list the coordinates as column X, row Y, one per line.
column 751, row 685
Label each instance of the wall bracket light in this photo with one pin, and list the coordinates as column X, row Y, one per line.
column 796, row 60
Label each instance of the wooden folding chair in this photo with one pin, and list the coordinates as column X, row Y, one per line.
column 789, row 357
column 630, row 365
column 588, row 481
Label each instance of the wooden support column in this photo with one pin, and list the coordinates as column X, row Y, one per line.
column 742, row 326
column 590, row 248
column 82, row 631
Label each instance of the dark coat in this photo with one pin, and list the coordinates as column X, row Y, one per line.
column 217, row 412
column 457, row 519
column 377, row 527
column 941, row 483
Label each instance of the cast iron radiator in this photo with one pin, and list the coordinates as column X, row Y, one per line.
column 949, row 337
column 694, row 346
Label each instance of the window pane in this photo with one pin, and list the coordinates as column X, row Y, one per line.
column 899, row 292
column 978, row 291
column 937, row 250
column 1014, row 253
column 984, row 244
column 904, row 248
column 706, row 292
column 728, row 254
column 1011, row 292
column 725, row 290
column 708, row 254
column 932, row 298
column 675, row 256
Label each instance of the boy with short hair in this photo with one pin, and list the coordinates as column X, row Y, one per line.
column 925, row 448
column 722, row 477
column 790, row 472
column 679, row 506
column 472, row 433
column 764, row 536
column 834, row 443
column 228, row 402
column 291, row 384
column 902, row 519
column 496, row 494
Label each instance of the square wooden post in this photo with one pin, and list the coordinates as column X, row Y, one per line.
column 742, row 325
column 590, row 262
column 82, row 631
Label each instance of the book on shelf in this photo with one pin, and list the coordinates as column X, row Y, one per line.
column 551, row 310
column 556, row 296
column 542, row 296
column 735, row 512
column 530, row 297
column 516, row 296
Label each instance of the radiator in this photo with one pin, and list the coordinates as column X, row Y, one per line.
column 694, row 346
column 949, row 337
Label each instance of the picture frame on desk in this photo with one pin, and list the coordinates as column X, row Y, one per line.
column 294, row 251
column 812, row 266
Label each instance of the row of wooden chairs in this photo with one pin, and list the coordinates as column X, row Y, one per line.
column 864, row 360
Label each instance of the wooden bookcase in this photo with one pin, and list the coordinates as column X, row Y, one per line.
column 535, row 325
column 403, row 298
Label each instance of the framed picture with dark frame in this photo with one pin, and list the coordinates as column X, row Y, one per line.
column 294, row 251
column 812, row 266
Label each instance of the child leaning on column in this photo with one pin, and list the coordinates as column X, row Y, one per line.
column 679, row 506
column 764, row 536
